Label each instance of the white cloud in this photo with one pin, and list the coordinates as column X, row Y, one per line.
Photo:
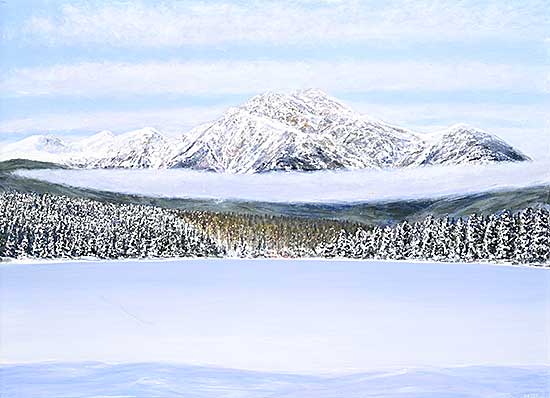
column 427, row 117
column 429, row 114
column 168, row 120
column 250, row 77
column 183, row 23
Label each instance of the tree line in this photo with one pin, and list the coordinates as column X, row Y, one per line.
column 247, row 235
column 49, row 226
column 523, row 237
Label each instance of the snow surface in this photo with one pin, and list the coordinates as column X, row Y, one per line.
column 300, row 316
column 320, row 186
column 146, row 380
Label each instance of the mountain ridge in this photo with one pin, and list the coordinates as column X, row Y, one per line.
column 306, row 130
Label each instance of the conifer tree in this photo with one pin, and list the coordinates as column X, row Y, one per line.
column 541, row 236
column 491, row 238
column 475, row 230
column 506, row 234
column 523, row 249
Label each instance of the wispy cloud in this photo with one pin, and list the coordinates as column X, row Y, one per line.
column 432, row 116
column 198, row 23
column 178, row 120
column 240, row 77
column 433, row 51
column 426, row 117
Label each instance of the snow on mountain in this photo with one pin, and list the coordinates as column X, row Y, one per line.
column 241, row 142
column 144, row 148
column 464, row 144
column 36, row 147
column 96, row 143
column 306, row 130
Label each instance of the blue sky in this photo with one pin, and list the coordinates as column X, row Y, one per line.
column 77, row 67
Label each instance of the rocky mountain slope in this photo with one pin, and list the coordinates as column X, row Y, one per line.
column 305, row 130
column 464, row 144
column 144, row 148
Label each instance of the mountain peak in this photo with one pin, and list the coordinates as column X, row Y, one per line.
column 462, row 143
column 304, row 110
column 473, row 133
column 466, row 129
column 461, row 127
column 143, row 132
column 104, row 134
column 44, row 142
column 321, row 101
column 41, row 147
column 100, row 141
column 146, row 136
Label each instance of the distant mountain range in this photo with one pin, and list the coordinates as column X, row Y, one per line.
column 306, row 130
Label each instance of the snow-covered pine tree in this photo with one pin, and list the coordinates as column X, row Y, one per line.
column 523, row 252
column 541, row 236
column 361, row 244
column 387, row 243
column 401, row 248
column 417, row 238
column 428, row 238
column 458, row 241
column 374, row 242
column 344, row 245
column 475, row 230
column 506, row 234
column 442, row 239
column 490, row 238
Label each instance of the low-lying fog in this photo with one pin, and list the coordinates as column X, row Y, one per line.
column 320, row 186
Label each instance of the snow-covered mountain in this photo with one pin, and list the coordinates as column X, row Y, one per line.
column 97, row 143
column 305, row 130
column 37, row 147
column 465, row 144
column 144, row 148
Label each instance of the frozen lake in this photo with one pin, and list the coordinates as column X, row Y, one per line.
column 169, row 328
column 305, row 316
column 321, row 186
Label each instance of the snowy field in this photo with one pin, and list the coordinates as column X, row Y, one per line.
column 321, row 186
column 159, row 320
column 155, row 380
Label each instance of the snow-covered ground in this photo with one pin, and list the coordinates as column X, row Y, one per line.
column 392, row 329
column 275, row 315
column 146, row 380
column 321, row 186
